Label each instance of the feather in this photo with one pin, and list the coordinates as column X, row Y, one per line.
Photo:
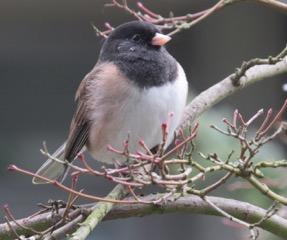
column 52, row 169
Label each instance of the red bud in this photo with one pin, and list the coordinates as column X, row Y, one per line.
column 11, row 167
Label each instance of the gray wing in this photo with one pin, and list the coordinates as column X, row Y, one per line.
column 80, row 125
column 79, row 132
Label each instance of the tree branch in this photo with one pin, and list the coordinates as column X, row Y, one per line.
column 176, row 24
column 189, row 204
column 277, row 5
column 226, row 87
column 98, row 212
column 194, row 204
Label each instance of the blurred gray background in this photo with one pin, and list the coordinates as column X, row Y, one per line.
column 46, row 48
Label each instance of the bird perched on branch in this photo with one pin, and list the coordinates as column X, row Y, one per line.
column 132, row 89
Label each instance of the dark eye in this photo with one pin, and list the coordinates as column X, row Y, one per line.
column 136, row 37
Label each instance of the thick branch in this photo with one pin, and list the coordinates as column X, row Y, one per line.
column 278, row 5
column 194, row 204
column 99, row 211
column 190, row 204
column 226, row 87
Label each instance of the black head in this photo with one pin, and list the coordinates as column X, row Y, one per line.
column 131, row 37
column 138, row 49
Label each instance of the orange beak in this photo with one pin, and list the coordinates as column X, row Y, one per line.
column 160, row 39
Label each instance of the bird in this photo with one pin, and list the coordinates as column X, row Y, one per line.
column 133, row 88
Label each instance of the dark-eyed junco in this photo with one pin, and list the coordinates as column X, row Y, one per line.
column 132, row 89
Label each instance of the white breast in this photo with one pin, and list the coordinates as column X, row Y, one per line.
column 140, row 117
